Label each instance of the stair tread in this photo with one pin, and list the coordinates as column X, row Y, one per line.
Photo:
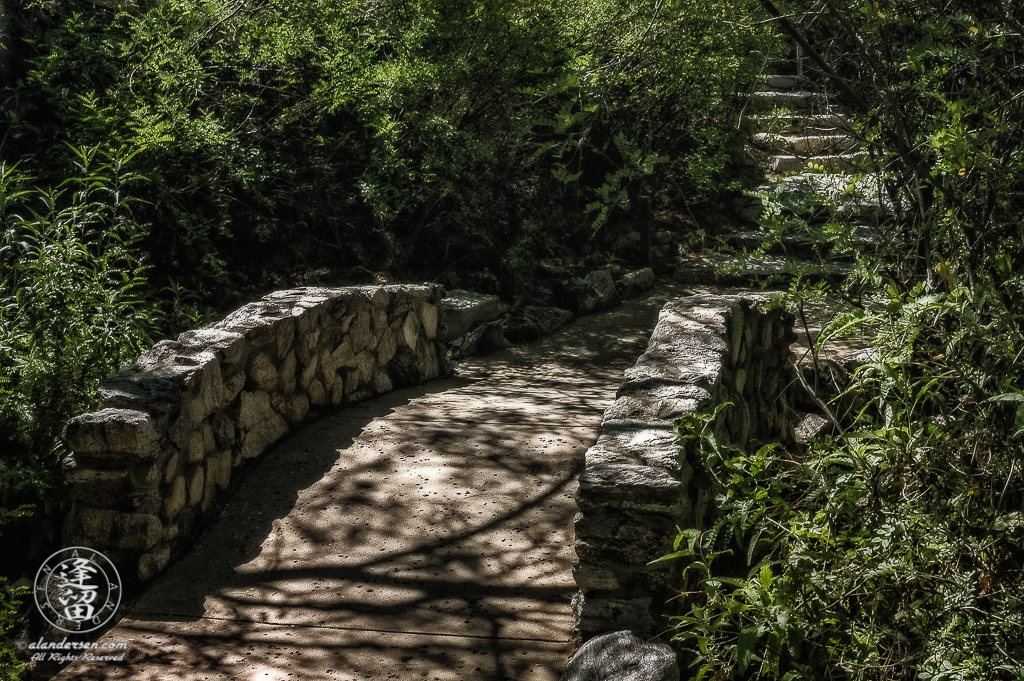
column 799, row 116
column 861, row 235
column 783, row 82
column 788, row 96
column 728, row 269
column 784, row 163
column 802, row 101
column 806, row 145
column 797, row 136
column 845, row 155
column 863, row 201
column 826, row 121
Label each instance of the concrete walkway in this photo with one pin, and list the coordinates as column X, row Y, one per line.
column 423, row 535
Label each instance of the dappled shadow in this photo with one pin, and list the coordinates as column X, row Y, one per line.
column 427, row 534
column 417, row 537
column 818, row 314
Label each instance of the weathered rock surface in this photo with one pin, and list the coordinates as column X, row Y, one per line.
column 810, row 427
column 485, row 338
column 113, row 434
column 635, row 283
column 638, row 485
column 597, row 291
column 464, row 309
column 622, row 656
column 603, row 283
column 531, row 322
column 731, row 270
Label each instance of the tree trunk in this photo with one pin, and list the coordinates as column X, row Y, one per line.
column 6, row 48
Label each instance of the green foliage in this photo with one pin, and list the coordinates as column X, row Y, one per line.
column 885, row 554
column 72, row 310
column 894, row 550
column 374, row 133
column 940, row 108
column 12, row 617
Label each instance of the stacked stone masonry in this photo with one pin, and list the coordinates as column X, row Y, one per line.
column 638, row 484
column 171, row 428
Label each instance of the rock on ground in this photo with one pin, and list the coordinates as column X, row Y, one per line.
column 485, row 338
column 635, row 283
column 595, row 292
column 622, row 656
column 531, row 322
column 463, row 309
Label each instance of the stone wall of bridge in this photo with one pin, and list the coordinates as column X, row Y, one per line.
column 171, row 429
column 639, row 484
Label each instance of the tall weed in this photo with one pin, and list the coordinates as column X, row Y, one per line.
column 74, row 306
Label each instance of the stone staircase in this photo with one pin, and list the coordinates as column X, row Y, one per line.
column 802, row 126
column 810, row 155
column 805, row 146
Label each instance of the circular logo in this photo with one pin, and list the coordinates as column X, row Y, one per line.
column 77, row 590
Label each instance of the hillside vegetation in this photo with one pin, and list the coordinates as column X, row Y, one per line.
column 162, row 161
column 894, row 549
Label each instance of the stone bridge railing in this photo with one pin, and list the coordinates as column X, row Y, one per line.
column 170, row 429
column 638, row 484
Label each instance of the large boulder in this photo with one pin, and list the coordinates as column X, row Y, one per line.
column 595, row 292
column 622, row 656
column 464, row 309
column 531, row 322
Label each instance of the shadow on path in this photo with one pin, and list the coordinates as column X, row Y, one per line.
column 425, row 534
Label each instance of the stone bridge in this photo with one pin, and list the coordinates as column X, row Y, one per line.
column 402, row 528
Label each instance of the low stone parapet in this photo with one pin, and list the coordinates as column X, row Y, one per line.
column 171, row 428
column 638, row 485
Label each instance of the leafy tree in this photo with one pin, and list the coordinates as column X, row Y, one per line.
column 376, row 133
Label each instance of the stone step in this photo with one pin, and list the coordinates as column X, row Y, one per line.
column 801, row 101
column 776, row 81
column 797, row 193
column 794, row 124
column 805, row 144
column 738, row 270
column 832, row 163
column 802, row 244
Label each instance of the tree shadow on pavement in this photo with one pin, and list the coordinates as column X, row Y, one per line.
column 424, row 534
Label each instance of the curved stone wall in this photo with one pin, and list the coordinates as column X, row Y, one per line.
column 638, row 485
column 145, row 467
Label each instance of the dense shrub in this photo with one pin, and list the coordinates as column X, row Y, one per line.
column 383, row 133
column 896, row 549
column 73, row 308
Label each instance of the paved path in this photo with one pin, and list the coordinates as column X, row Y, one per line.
column 423, row 535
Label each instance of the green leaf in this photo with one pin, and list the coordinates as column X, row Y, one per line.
column 672, row 556
column 1007, row 397
column 745, row 647
column 766, row 576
